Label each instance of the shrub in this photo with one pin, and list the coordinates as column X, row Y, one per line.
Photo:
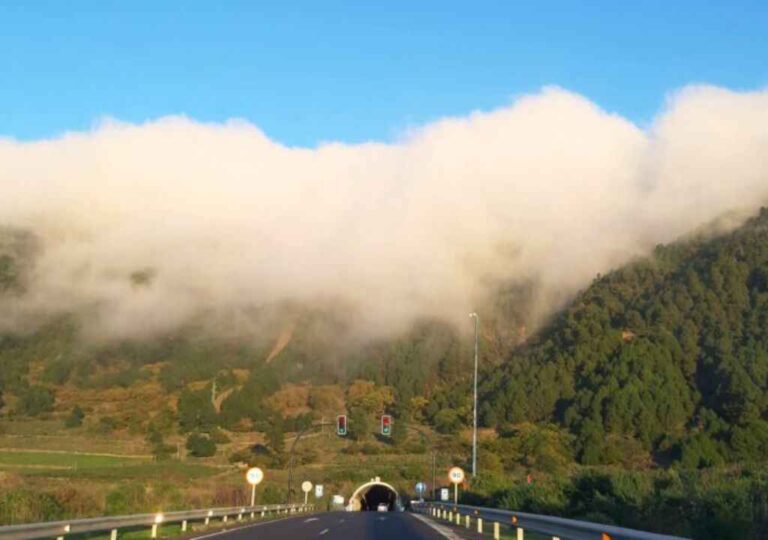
column 200, row 445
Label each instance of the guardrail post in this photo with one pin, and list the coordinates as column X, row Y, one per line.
column 458, row 518
column 468, row 521
column 450, row 516
column 183, row 526
column 113, row 534
column 496, row 531
column 520, row 533
column 262, row 513
column 555, row 538
column 253, row 515
column 480, row 525
column 224, row 520
column 154, row 531
column 67, row 528
column 240, row 516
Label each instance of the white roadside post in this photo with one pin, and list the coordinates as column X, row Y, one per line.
column 156, row 524
column 306, row 487
column 456, row 476
column 254, row 476
column 496, row 530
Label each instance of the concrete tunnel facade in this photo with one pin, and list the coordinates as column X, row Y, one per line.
column 370, row 495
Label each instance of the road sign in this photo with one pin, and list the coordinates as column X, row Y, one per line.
column 456, row 475
column 386, row 425
column 341, row 425
column 306, row 486
column 444, row 494
column 254, row 476
column 318, row 491
column 421, row 488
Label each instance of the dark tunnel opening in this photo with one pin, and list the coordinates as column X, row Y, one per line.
column 378, row 495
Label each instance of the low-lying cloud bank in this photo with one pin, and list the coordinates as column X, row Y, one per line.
column 217, row 218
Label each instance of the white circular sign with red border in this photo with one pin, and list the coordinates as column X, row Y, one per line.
column 456, row 475
column 254, row 476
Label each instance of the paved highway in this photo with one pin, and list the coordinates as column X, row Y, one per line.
column 343, row 526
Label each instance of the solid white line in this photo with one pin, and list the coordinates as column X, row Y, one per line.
column 444, row 531
column 233, row 529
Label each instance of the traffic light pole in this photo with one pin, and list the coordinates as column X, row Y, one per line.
column 292, row 455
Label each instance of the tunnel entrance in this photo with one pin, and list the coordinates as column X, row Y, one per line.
column 378, row 496
column 374, row 496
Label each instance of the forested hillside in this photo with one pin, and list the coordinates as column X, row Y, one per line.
column 657, row 373
column 663, row 360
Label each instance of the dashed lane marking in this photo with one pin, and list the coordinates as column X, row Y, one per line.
column 311, row 520
column 324, row 531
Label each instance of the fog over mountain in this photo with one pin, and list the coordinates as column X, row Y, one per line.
column 142, row 228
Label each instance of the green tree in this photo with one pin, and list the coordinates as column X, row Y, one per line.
column 75, row 418
column 399, row 431
column 447, row 421
column 200, row 445
column 35, row 400
column 195, row 410
column 359, row 424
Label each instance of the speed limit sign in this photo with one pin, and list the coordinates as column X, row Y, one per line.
column 456, row 475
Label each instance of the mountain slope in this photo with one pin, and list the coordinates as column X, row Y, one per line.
column 667, row 356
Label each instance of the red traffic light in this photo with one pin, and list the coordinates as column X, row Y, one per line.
column 386, row 425
column 341, row 425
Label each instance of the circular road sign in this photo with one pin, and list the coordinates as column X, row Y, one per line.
column 306, row 486
column 421, row 488
column 254, row 476
column 456, row 475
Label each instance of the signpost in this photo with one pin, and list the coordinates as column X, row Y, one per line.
column 456, row 476
column 306, row 487
column 254, row 476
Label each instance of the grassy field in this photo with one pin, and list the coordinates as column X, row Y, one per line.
column 31, row 459
column 94, row 466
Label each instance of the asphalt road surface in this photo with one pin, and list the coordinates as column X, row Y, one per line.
column 342, row 525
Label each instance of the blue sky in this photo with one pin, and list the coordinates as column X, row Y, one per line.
column 307, row 72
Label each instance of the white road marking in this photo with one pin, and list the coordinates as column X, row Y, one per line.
column 324, row 531
column 341, row 521
column 311, row 520
column 444, row 531
column 252, row 526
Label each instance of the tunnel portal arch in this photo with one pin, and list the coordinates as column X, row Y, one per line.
column 370, row 495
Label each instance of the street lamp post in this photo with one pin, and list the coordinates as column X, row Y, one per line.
column 473, row 315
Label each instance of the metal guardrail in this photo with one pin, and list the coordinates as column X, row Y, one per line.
column 557, row 528
column 62, row 529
